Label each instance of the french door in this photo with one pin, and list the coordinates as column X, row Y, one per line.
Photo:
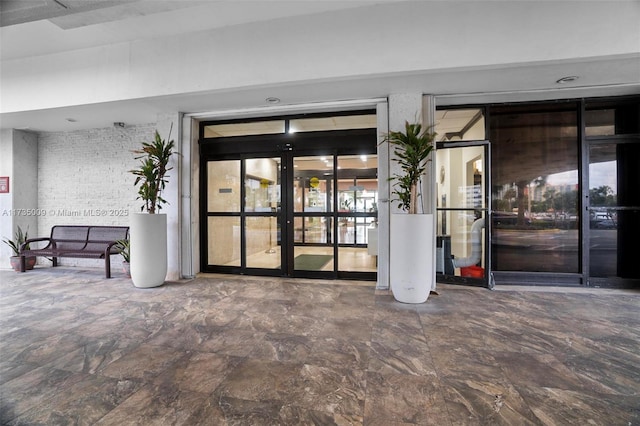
column 613, row 211
column 304, row 207
column 463, row 211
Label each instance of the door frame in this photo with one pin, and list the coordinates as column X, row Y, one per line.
column 487, row 280
column 286, row 146
column 591, row 281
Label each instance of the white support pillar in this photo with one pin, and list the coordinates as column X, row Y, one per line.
column 411, row 107
column 429, row 179
column 190, row 217
column 172, row 192
column 402, row 108
column 391, row 117
column 18, row 207
column 382, row 114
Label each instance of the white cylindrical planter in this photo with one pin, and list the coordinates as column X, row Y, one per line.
column 411, row 257
column 148, row 236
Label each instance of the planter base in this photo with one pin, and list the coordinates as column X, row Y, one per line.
column 148, row 249
column 30, row 262
column 411, row 257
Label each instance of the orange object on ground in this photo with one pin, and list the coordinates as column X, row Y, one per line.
column 472, row 272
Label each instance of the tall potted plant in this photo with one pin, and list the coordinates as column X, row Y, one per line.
column 411, row 235
column 148, row 237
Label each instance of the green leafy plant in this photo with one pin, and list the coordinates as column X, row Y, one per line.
column 411, row 148
column 124, row 246
column 151, row 174
column 19, row 238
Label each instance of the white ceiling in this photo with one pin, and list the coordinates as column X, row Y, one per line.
column 36, row 27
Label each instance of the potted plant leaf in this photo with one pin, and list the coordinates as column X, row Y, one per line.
column 148, row 239
column 411, row 233
column 123, row 246
column 19, row 239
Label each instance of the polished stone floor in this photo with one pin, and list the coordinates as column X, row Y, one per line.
column 228, row 350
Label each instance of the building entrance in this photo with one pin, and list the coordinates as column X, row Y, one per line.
column 299, row 204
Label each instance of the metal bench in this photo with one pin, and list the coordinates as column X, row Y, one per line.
column 92, row 242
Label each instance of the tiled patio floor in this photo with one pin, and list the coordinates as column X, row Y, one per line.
column 227, row 350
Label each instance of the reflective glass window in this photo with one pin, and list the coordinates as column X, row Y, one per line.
column 535, row 188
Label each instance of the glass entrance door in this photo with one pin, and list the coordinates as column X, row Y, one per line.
column 462, row 246
column 613, row 210
column 244, row 214
column 334, row 215
column 313, row 219
column 300, row 204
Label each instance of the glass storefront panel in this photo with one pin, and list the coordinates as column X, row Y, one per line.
column 461, row 244
column 313, row 230
column 223, row 186
column 357, row 259
column 313, row 258
column 223, row 240
column 340, row 122
column 535, row 200
column 262, row 185
column 313, row 184
column 244, row 129
column 614, row 208
column 262, row 242
column 607, row 118
column 460, row 124
column 603, row 216
column 357, row 195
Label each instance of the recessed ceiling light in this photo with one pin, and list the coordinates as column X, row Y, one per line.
column 272, row 100
column 567, row 79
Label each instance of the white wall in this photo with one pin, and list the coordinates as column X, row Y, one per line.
column 6, row 200
column 18, row 208
column 403, row 37
column 83, row 179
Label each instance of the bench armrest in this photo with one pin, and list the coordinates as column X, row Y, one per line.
column 107, row 251
column 33, row 240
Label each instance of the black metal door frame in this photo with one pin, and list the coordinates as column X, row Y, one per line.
column 286, row 146
column 487, row 280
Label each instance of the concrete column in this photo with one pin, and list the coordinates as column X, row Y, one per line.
column 428, row 182
column 391, row 117
column 190, row 175
column 412, row 107
column 172, row 193
column 19, row 207
column 402, row 108
column 382, row 114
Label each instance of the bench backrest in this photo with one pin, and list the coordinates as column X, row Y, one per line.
column 100, row 237
column 70, row 237
column 90, row 238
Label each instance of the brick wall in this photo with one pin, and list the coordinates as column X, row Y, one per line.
column 83, row 179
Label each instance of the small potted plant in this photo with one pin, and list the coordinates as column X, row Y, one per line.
column 412, row 243
column 123, row 246
column 148, row 239
column 19, row 239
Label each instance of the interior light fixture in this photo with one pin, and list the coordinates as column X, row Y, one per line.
column 567, row 79
column 363, row 157
column 272, row 100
